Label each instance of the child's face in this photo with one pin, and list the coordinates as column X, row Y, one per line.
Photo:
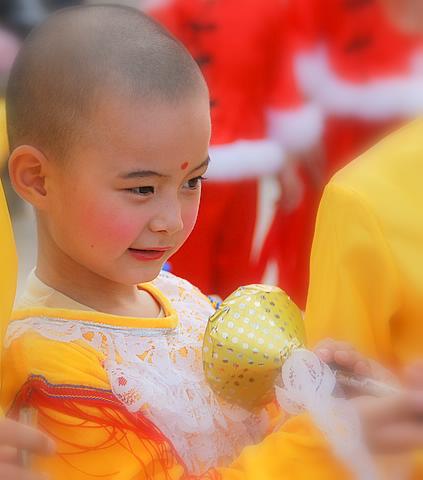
column 130, row 195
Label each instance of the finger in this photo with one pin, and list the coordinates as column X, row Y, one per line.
column 324, row 350
column 363, row 368
column 13, row 472
column 346, row 358
column 345, row 346
column 21, row 436
column 344, row 355
column 353, row 361
column 323, row 343
column 398, row 437
column 334, row 345
column 8, row 454
column 407, row 406
column 331, row 351
column 416, row 403
column 325, row 355
column 413, row 375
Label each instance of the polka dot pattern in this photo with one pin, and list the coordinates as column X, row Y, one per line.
column 247, row 339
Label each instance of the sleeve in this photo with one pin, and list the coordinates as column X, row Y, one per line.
column 294, row 120
column 297, row 451
column 354, row 291
column 66, row 387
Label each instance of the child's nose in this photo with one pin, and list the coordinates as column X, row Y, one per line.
column 169, row 219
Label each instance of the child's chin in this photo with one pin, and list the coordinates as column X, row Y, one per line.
column 147, row 275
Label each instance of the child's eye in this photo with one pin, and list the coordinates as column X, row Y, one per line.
column 143, row 191
column 194, row 183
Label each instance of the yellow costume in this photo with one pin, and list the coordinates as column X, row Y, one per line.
column 367, row 262
column 366, row 283
column 4, row 143
column 126, row 398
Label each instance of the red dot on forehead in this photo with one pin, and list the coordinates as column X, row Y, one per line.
column 184, row 165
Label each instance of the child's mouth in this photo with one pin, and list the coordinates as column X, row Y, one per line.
column 147, row 255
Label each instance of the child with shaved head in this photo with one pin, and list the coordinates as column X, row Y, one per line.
column 108, row 119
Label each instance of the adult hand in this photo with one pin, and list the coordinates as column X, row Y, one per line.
column 15, row 436
column 392, row 424
column 346, row 357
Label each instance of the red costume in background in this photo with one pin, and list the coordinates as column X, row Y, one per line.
column 237, row 44
column 365, row 78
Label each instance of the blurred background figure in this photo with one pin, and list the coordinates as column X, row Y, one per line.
column 239, row 47
column 298, row 89
column 361, row 65
column 20, row 16
column 9, row 45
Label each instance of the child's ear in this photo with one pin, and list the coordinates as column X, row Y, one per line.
column 27, row 170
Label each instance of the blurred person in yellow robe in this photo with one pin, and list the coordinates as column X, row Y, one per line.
column 366, row 280
column 366, row 268
column 367, row 261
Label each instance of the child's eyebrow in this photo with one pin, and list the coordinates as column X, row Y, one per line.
column 151, row 173
column 204, row 164
column 141, row 174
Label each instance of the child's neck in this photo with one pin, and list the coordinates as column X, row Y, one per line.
column 59, row 271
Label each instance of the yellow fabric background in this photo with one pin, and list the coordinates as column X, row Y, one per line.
column 366, row 283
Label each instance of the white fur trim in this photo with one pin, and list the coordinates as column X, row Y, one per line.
column 386, row 97
column 244, row 159
column 297, row 130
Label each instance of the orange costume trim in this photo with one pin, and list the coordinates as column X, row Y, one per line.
column 112, row 416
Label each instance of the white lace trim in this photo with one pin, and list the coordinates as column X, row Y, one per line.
column 308, row 385
column 160, row 372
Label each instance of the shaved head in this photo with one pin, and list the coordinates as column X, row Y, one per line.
column 79, row 57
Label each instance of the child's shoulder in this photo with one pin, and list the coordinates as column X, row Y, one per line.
column 32, row 351
column 175, row 287
column 183, row 295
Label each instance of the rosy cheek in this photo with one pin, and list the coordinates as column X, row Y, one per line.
column 110, row 227
column 189, row 219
